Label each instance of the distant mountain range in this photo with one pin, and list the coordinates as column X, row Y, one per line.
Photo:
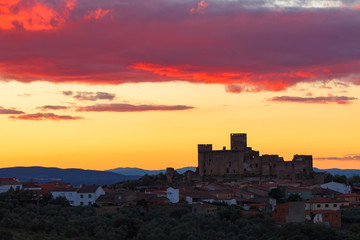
column 336, row 171
column 141, row 172
column 71, row 175
column 80, row 176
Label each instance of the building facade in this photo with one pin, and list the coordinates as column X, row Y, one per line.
column 241, row 160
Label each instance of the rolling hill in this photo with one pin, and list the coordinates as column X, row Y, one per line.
column 141, row 172
column 71, row 175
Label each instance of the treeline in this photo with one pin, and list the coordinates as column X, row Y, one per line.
column 24, row 216
column 342, row 179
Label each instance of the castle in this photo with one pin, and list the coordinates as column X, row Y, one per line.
column 242, row 161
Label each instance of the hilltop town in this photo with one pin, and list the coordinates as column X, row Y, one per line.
column 289, row 191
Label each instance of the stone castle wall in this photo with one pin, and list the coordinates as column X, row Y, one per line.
column 243, row 161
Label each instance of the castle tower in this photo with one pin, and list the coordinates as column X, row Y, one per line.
column 238, row 141
column 170, row 173
column 202, row 149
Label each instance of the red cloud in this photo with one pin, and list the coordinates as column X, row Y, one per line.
column 131, row 108
column 200, row 7
column 34, row 15
column 256, row 49
column 322, row 100
column 45, row 116
column 357, row 6
column 96, row 14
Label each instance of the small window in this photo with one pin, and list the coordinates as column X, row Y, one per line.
column 256, row 165
column 335, row 205
column 81, row 195
column 227, row 170
column 211, row 170
column 326, row 205
column 250, row 165
column 244, row 169
column 318, row 206
column 81, row 203
column 234, row 171
column 90, row 195
column 89, row 203
column 229, row 164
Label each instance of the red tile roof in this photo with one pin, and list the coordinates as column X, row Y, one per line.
column 9, row 181
column 65, row 189
column 54, row 185
column 31, row 185
column 348, row 195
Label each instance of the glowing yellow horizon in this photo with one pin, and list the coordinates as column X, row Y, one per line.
column 160, row 139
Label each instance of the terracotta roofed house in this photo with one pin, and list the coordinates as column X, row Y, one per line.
column 7, row 183
column 353, row 198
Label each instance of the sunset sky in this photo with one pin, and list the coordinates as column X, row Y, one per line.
column 139, row 83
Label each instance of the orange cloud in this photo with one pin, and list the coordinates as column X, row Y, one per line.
column 96, row 14
column 45, row 116
column 33, row 16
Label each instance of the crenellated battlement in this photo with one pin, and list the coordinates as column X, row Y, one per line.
column 237, row 134
column 238, row 141
column 204, row 147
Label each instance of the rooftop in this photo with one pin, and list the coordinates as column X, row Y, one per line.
column 348, row 195
column 325, row 200
column 88, row 189
column 9, row 181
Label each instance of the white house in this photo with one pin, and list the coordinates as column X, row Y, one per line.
column 172, row 194
column 7, row 183
column 325, row 204
column 338, row 187
column 87, row 195
column 84, row 196
column 69, row 193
